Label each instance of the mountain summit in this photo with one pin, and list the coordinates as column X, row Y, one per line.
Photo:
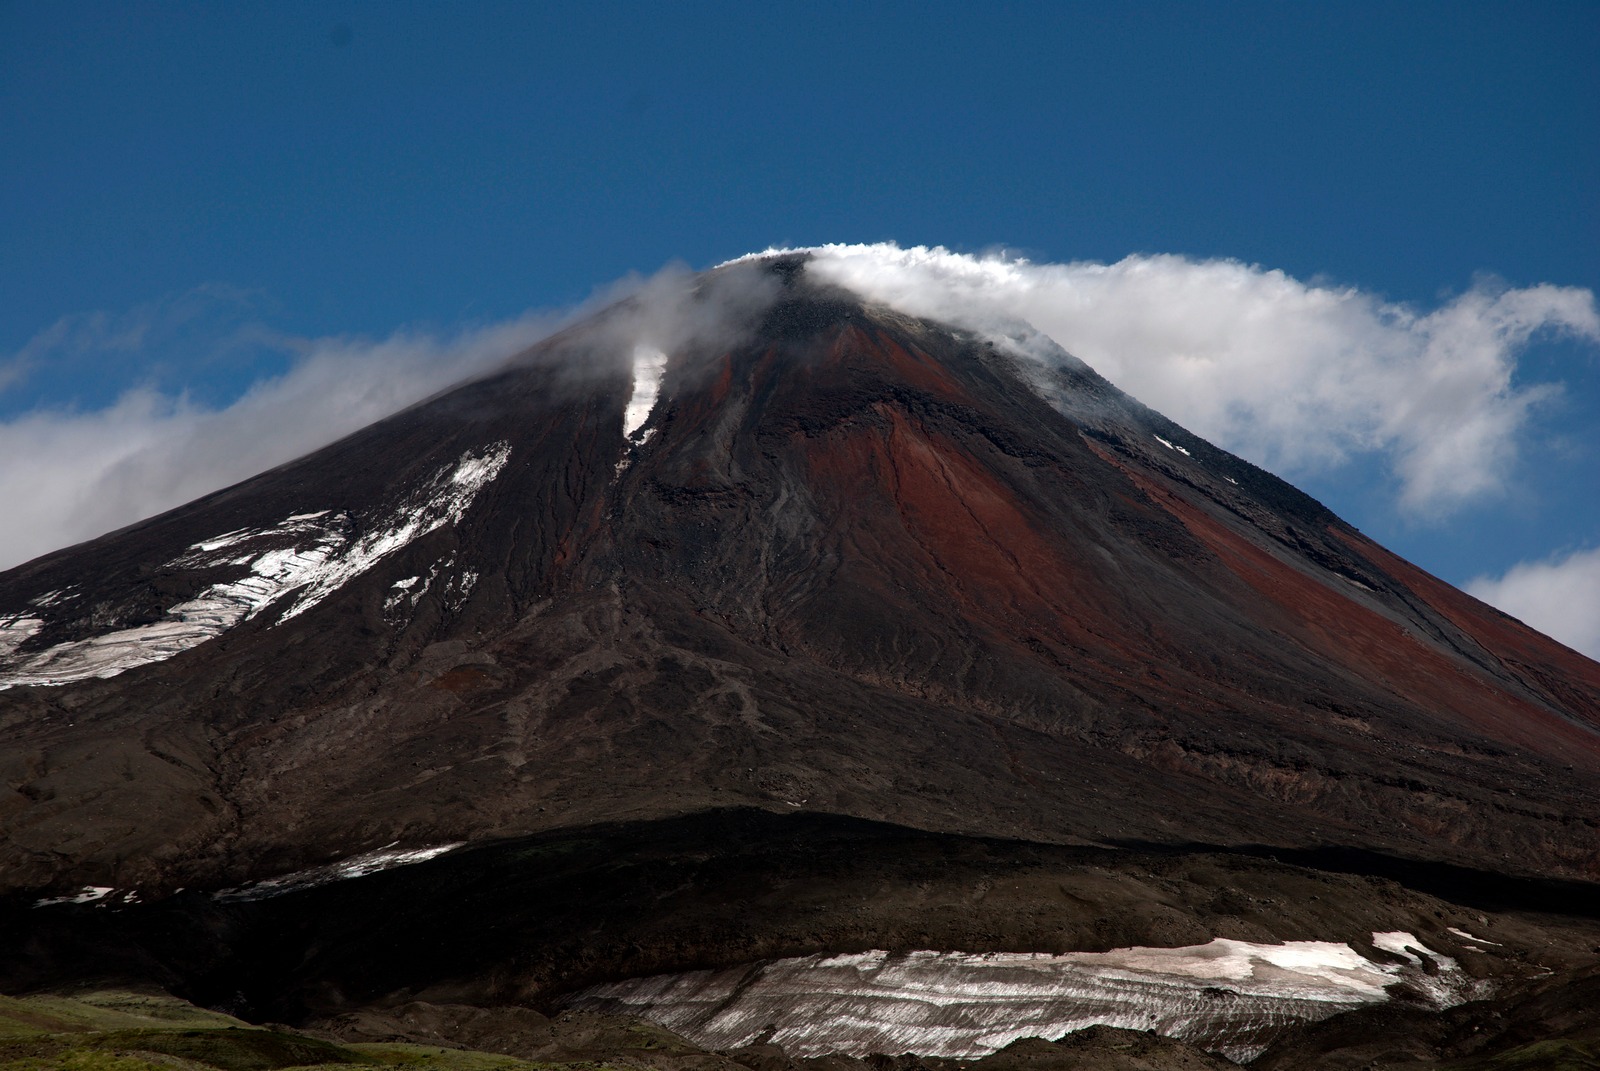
column 780, row 549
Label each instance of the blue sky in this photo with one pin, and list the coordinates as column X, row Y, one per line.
column 198, row 199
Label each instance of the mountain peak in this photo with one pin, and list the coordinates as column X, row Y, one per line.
column 761, row 543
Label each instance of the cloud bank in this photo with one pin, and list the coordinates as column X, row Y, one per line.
column 1297, row 377
column 1559, row 596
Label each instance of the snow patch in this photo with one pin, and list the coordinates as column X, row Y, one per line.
column 443, row 501
column 17, row 630
column 87, row 895
column 1399, row 942
column 113, row 653
column 226, row 539
column 459, row 589
column 385, row 858
column 1230, row 996
column 1468, row 936
column 402, row 598
column 203, row 554
column 405, row 594
column 1170, row 446
column 301, row 561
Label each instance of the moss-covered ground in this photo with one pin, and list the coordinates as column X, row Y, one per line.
column 1558, row 1055
column 127, row 1031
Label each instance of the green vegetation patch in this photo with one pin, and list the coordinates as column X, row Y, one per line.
column 102, row 1010
column 400, row 1054
column 119, row 1030
column 243, row 1050
column 91, row 1060
column 232, row 1048
column 1540, row 1056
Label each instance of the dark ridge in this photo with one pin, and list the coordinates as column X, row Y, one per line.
column 788, row 266
column 1488, row 890
column 1085, row 383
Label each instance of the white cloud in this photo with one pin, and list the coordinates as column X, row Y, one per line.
column 1298, row 377
column 74, row 475
column 1559, row 596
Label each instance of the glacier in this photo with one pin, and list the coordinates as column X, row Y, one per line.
column 1229, row 996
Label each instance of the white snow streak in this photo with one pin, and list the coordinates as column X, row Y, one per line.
column 444, row 501
column 115, row 652
column 356, row 866
column 88, row 895
column 1170, row 446
column 307, row 557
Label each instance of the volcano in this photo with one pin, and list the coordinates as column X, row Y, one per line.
column 798, row 613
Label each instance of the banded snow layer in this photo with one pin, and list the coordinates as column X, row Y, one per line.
column 1229, row 996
